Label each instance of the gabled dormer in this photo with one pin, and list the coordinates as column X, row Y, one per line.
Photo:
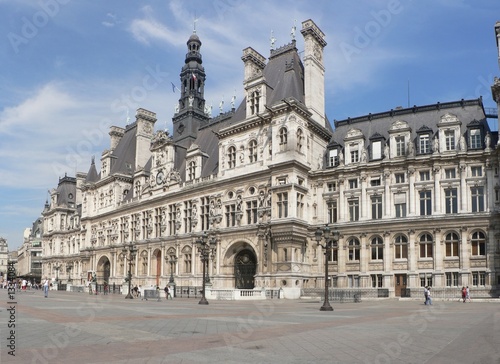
column 449, row 133
column 475, row 135
column 162, row 157
column 334, row 156
column 377, row 143
column 399, row 139
column 254, row 83
column 194, row 162
column 424, row 140
column 354, row 143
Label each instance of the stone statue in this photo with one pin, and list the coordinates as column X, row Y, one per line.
column 436, row 144
column 487, row 140
column 386, row 151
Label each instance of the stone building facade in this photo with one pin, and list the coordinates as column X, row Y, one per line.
column 413, row 193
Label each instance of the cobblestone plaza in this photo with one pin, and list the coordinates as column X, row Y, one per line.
column 79, row 328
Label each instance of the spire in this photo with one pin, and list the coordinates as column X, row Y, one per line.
column 190, row 112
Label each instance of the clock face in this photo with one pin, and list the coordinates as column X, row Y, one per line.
column 159, row 178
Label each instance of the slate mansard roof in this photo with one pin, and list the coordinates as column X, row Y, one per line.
column 417, row 117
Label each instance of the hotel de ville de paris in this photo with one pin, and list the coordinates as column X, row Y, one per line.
column 403, row 199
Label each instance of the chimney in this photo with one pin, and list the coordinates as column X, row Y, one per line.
column 116, row 133
column 314, row 70
column 145, row 121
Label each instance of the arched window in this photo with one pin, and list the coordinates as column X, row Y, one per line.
column 300, row 140
column 231, row 157
column 353, row 249
column 252, row 151
column 283, row 137
column 426, row 246
column 401, row 247
column 186, row 255
column 192, row 170
column 478, row 243
column 377, row 247
column 451, row 242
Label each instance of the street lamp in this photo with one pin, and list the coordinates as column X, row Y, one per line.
column 131, row 250
column 68, row 270
column 56, row 268
column 172, row 261
column 206, row 246
column 330, row 243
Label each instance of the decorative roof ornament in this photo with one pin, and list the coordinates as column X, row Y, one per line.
column 221, row 105
column 194, row 25
column 294, row 29
column 272, row 39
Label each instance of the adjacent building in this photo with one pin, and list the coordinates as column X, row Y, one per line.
column 412, row 194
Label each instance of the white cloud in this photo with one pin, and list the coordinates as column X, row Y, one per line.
column 148, row 28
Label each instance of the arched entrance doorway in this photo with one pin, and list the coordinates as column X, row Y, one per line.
column 103, row 270
column 245, row 266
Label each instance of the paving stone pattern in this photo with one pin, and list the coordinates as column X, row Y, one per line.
column 79, row 328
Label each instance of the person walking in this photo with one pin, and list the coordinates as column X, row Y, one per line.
column 467, row 294
column 46, row 287
column 166, row 292
column 464, row 294
column 429, row 299
column 426, row 291
column 170, row 293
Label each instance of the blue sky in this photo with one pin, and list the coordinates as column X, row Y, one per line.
column 71, row 68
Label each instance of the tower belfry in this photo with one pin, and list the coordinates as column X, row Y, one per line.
column 190, row 112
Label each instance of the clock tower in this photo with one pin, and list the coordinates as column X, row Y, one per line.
column 190, row 112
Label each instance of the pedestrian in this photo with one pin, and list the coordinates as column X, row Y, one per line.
column 166, row 292
column 467, row 294
column 105, row 288
column 429, row 299
column 46, row 287
column 135, row 291
column 170, row 293
column 464, row 294
column 425, row 295
column 139, row 293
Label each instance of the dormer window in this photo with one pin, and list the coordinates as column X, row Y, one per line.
column 333, row 158
column 475, row 138
column 254, row 102
column 377, row 143
column 283, row 137
column 449, row 140
column 400, row 146
column 231, row 157
column 252, row 151
column 192, row 170
column 354, row 156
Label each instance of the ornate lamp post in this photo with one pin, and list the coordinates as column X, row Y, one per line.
column 68, row 270
column 129, row 252
column 56, row 268
column 172, row 261
column 206, row 246
column 330, row 242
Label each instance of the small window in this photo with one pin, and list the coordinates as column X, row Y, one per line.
column 450, row 173
column 425, row 175
column 375, row 182
column 332, row 186
column 475, row 138
column 353, row 184
column 476, row 171
column 400, row 177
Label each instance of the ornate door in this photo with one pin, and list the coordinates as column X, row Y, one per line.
column 244, row 269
